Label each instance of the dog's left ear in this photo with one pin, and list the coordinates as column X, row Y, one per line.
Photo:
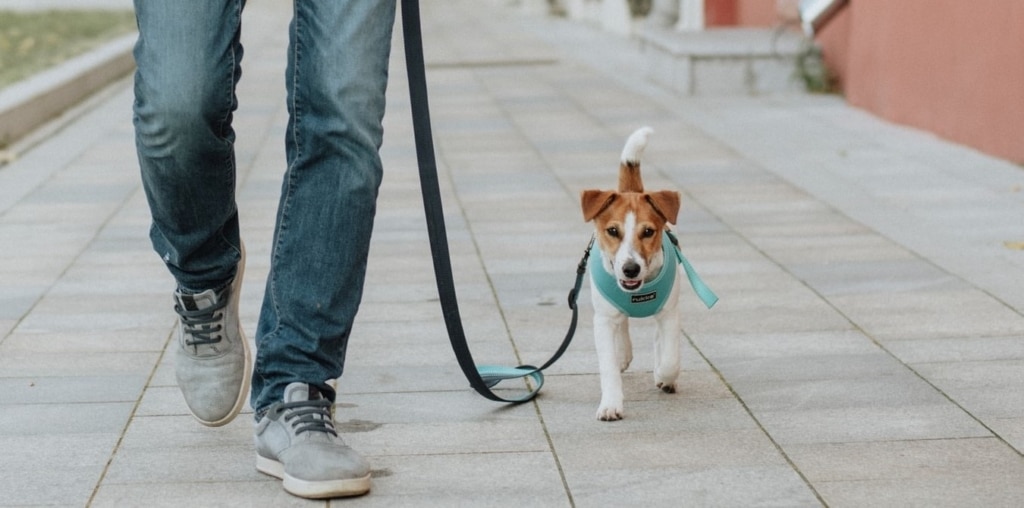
column 593, row 202
column 666, row 203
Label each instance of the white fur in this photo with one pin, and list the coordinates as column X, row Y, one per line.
column 627, row 250
column 635, row 144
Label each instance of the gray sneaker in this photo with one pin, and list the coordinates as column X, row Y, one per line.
column 212, row 361
column 296, row 441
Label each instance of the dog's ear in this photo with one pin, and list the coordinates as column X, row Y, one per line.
column 594, row 202
column 666, row 203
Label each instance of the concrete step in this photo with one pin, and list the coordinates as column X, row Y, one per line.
column 723, row 61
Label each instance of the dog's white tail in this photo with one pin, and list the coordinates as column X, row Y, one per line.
column 629, row 166
column 635, row 145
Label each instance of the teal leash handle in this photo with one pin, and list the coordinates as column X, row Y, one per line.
column 494, row 374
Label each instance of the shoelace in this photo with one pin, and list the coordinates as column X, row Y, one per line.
column 199, row 325
column 309, row 416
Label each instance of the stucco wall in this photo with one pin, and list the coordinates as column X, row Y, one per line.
column 952, row 67
column 763, row 13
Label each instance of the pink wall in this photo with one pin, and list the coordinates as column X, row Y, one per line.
column 740, row 13
column 720, row 12
column 952, row 67
column 757, row 13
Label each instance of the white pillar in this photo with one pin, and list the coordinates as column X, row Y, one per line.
column 691, row 16
column 616, row 17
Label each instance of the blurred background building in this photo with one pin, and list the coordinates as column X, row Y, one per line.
column 951, row 67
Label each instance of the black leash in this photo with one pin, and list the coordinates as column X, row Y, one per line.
column 481, row 378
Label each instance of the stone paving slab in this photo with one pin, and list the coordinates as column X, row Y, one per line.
column 913, row 473
column 866, row 352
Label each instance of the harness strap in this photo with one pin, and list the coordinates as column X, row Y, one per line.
column 705, row 293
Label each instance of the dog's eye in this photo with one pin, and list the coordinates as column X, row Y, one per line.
column 648, row 232
column 612, row 232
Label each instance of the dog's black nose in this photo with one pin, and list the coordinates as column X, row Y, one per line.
column 630, row 269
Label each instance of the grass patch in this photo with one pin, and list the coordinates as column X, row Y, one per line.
column 34, row 41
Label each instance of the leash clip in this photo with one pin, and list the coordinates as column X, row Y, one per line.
column 582, row 267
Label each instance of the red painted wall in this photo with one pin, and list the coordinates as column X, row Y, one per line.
column 757, row 13
column 952, row 67
column 763, row 13
column 719, row 13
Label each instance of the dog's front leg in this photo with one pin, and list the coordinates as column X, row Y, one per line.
column 667, row 343
column 623, row 346
column 608, row 330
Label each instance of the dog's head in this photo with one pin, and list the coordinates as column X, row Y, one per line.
column 629, row 228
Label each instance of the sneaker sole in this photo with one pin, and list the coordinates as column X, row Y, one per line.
column 313, row 489
column 243, row 391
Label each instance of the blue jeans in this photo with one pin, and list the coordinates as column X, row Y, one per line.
column 188, row 64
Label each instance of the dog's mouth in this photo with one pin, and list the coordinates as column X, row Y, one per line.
column 630, row 284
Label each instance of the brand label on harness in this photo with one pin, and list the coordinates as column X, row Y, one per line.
column 647, row 297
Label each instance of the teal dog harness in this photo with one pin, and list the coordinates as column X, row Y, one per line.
column 653, row 294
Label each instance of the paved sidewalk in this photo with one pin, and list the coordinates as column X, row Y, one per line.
column 868, row 349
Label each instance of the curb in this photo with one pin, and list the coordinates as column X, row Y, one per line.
column 30, row 103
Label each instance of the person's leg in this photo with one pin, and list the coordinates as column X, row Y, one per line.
column 336, row 79
column 187, row 57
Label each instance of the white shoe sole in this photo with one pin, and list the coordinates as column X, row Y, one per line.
column 313, row 489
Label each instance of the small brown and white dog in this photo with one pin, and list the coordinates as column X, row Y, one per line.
column 632, row 256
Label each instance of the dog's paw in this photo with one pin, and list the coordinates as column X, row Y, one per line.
column 667, row 387
column 609, row 414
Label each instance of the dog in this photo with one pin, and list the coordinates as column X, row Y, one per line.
column 633, row 273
